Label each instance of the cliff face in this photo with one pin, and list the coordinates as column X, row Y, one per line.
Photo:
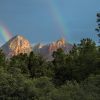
column 47, row 50
column 55, row 45
column 17, row 45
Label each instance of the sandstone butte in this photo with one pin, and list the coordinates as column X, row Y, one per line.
column 17, row 45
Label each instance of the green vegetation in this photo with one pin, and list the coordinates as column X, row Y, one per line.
column 72, row 76
column 98, row 25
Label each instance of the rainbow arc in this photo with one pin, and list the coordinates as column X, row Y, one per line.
column 58, row 18
column 5, row 34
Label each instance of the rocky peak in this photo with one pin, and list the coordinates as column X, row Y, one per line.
column 39, row 46
column 17, row 45
column 58, row 44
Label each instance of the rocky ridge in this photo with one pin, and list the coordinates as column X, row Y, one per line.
column 19, row 44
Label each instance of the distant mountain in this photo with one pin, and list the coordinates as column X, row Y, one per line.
column 16, row 45
column 47, row 50
column 19, row 44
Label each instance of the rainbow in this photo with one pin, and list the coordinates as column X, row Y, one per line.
column 6, row 35
column 57, row 17
column 0, row 44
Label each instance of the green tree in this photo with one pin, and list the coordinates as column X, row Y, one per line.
column 20, row 61
column 77, row 65
column 68, row 91
column 91, row 87
column 38, row 66
column 11, row 85
column 61, row 71
column 2, row 58
column 84, row 63
column 98, row 25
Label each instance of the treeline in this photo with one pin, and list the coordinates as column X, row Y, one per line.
column 72, row 76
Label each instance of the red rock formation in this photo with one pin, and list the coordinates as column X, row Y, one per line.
column 55, row 45
column 17, row 45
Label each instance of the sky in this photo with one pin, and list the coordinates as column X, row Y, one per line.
column 49, row 20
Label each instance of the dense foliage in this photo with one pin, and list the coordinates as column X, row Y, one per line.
column 72, row 76
column 98, row 26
